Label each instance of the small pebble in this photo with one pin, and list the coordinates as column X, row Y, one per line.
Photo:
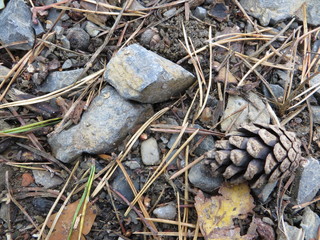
column 79, row 38
column 200, row 13
column 67, row 64
column 92, row 29
column 45, row 179
column 150, row 152
column 166, row 212
column 201, row 177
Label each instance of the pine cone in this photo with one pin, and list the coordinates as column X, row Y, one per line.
column 257, row 153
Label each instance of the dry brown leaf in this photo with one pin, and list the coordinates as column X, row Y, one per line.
column 216, row 214
column 229, row 78
column 62, row 227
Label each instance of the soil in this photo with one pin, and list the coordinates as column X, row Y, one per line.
column 167, row 43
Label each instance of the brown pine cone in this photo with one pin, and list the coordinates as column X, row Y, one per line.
column 257, row 153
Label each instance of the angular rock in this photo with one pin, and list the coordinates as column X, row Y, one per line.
column 254, row 110
column 291, row 232
column 201, row 177
column 150, row 152
column 78, row 38
column 166, row 212
column 310, row 223
column 277, row 10
column 105, row 123
column 3, row 72
column 143, row 76
column 316, row 113
column 307, row 183
column 200, row 12
column 276, row 89
column 16, row 25
column 264, row 192
column 57, row 80
column 121, row 185
column 45, row 179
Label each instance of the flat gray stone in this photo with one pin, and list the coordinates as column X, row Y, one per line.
column 16, row 25
column 278, row 10
column 45, row 179
column 290, row 233
column 254, row 111
column 264, row 192
column 58, row 80
column 106, row 123
column 150, row 152
column 310, row 223
column 307, row 182
column 201, row 177
column 316, row 113
column 143, row 76
column 3, row 72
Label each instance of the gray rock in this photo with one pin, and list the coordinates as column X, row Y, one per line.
column 307, row 183
column 57, row 80
column 92, row 29
column 16, row 25
column 200, row 13
column 38, row 28
column 276, row 89
column 264, row 192
column 105, row 123
column 3, row 169
column 4, row 211
column 172, row 140
column 53, row 15
column 310, row 223
column 67, row 64
column 132, row 164
column 150, row 152
column 3, row 72
column 65, row 42
column 166, row 212
column 206, row 145
column 254, row 111
column 201, row 177
column 45, row 179
column 316, row 113
column 290, row 233
column 78, row 38
column 271, row 10
column 143, row 76
column 121, row 185
column 174, row 161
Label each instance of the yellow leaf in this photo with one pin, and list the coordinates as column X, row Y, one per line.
column 216, row 214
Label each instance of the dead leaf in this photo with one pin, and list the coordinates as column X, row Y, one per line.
column 228, row 78
column 62, row 227
column 216, row 214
